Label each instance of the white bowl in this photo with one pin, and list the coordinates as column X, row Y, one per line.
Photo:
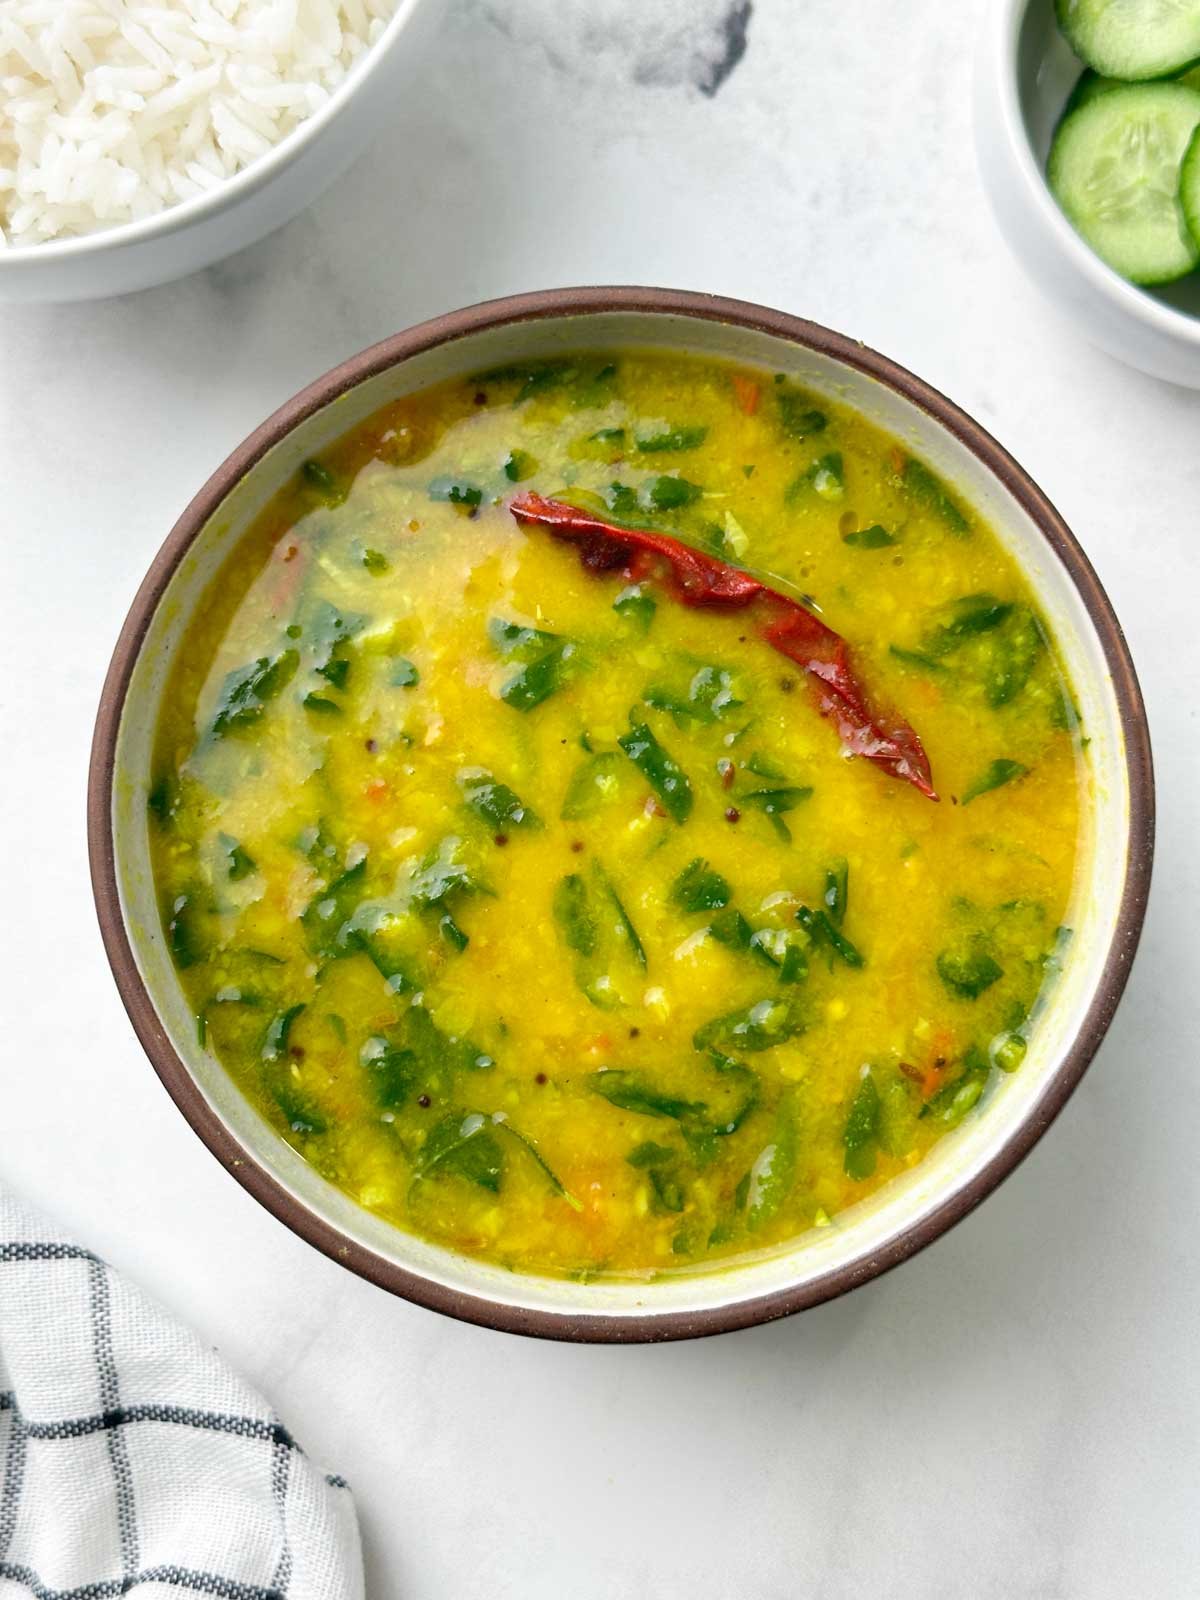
column 1024, row 72
column 260, row 198
column 1110, row 893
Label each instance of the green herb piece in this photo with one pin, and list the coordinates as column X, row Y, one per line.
column 452, row 933
column 994, row 776
column 954, row 1099
column 670, row 494
column 699, row 888
column 547, row 662
column 392, row 1072
column 458, row 491
column 440, row 1055
column 794, row 966
column 799, row 417
column 763, row 766
column 625, row 927
column 246, row 692
column 756, row 1027
column 238, row 864
column 968, row 971
column 375, row 562
column 500, row 1121
column 685, row 438
column 876, row 537
column 1008, row 1050
column 404, row 674
column 185, row 937
column 300, row 1111
column 516, row 642
column 1014, row 653
column 837, row 890
column 316, row 846
column 275, row 1042
column 822, row 931
column 622, row 501
column 649, row 1154
column 634, row 605
column 464, row 1147
column 327, row 916
column 589, row 381
column 860, row 1137
column 162, row 800
column 710, row 695
column 776, row 803
column 593, row 784
column 441, row 873
column 630, row 1091
column 739, row 1090
column 923, row 485
column 317, row 476
column 530, row 685
column 495, row 803
column 519, row 465
column 329, row 633
column 969, row 615
column 573, row 914
column 826, row 477
column 336, row 671
column 322, row 704
column 914, row 658
column 532, row 378
column 731, row 928
column 773, row 1173
column 660, row 770
column 613, row 436
column 668, row 1192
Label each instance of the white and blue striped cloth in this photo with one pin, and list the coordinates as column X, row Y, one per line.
column 133, row 1460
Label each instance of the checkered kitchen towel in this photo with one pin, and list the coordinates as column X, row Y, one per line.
column 132, row 1458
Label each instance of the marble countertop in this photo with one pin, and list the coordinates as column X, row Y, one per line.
column 1015, row 1413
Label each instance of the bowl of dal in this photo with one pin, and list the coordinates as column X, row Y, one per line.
column 620, row 814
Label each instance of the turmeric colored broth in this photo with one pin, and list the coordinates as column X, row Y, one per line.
column 444, row 931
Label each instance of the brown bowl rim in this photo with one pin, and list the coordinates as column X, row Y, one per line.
column 647, row 1326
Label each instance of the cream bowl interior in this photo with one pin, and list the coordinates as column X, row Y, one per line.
column 861, row 1241
column 1025, row 71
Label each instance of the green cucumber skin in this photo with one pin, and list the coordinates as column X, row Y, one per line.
column 1090, row 85
column 1135, row 264
column 1189, row 187
column 1074, row 24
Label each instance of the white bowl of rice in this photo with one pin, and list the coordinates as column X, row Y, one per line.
column 144, row 139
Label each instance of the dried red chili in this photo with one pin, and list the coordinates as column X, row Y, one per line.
column 697, row 579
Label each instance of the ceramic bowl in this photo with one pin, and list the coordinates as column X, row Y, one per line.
column 964, row 1166
column 1024, row 72
column 241, row 210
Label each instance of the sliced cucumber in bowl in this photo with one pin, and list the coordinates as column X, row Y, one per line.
column 1189, row 187
column 1132, row 40
column 1114, row 169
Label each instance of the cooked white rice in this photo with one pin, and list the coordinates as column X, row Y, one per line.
column 111, row 110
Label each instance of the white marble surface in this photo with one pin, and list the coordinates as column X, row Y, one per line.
column 1015, row 1415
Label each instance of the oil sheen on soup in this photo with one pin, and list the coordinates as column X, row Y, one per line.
column 614, row 813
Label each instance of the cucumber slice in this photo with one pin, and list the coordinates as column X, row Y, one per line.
column 1189, row 187
column 1088, row 86
column 1132, row 39
column 1114, row 169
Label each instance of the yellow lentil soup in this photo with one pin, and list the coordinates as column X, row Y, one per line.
column 548, row 903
